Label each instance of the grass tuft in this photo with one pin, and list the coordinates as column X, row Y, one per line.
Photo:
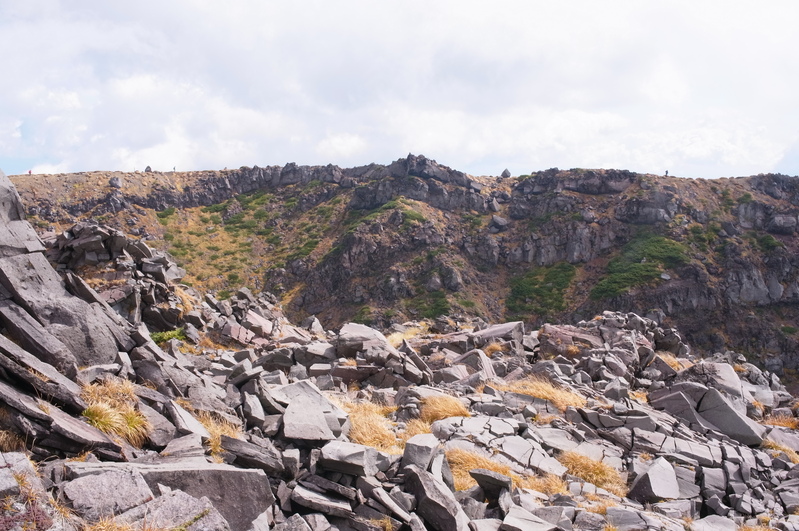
column 540, row 387
column 217, row 426
column 784, row 420
column 370, row 426
column 791, row 454
column 11, row 442
column 600, row 474
column 442, row 407
column 461, row 462
column 112, row 410
column 395, row 339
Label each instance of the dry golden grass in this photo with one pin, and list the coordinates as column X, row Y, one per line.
column 755, row 528
column 641, row 395
column 414, row 427
column 442, row 407
column 493, row 348
column 598, row 504
column 395, row 339
column 544, row 418
column 739, row 368
column 786, row 421
column 461, row 462
column 540, row 387
column 600, row 474
column 11, row 441
column 217, row 426
column 349, row 362
column 370, row 426
column 112, row 410
column 383, row 523
column 109, row 524
column 572, row 350
column 792, row 455
column 645, row 456
column 673, row 361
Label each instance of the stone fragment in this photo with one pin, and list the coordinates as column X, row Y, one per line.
column 349, row 458
column 107, row 494
column 518, row 519
column 737, row 426
column 324, row 503
column 419, row 450
column 434, row 501
column 178, row 510
column 656, row 484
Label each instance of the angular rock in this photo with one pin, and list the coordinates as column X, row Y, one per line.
column 715, row 408
column 435, row 502
column 656, row 484
column 349, row 458
column 107, row 494
column 178, row 510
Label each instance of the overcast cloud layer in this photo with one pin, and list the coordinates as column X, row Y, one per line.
column 702, row 89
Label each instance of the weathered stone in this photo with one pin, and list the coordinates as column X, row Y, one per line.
column 435, row 502
column 518, row 519
column 419, row 450
column 491, row 482
column 107, row 494
column 318, row 501
column 729, row 421
column 349, row 458
column 176, row 509
column 656, row 484
column 240, row 495
column 713, row 523
column 266, row 456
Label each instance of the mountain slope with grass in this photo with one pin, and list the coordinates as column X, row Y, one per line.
column 381, row 244
column 130, row 400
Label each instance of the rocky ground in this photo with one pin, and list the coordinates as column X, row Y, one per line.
column 242, row 420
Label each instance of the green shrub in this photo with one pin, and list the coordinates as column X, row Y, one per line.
column 233, row 278
column 540, row 291
column 746, row 198
column 214, row 209
column 306, row 249
column 789, row 330
column 162, row 337
column 165, row 213
column 767, row 242
column 363, row 315
column 642, row 261
column 431, row 305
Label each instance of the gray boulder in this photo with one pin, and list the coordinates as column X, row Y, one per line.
column 656, row 484
column 435, row 503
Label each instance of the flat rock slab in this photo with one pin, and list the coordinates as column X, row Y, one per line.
column 178, row 510
column 349, row 458
column 107, row 494
column 519, row 519
column 730, row 422
column 324, row 503
column 240, row 495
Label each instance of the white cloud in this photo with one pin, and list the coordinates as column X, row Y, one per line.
column 700, row 88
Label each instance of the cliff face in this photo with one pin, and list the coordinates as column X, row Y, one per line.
column 716, row 258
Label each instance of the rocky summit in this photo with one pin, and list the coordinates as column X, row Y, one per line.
column 131, row 400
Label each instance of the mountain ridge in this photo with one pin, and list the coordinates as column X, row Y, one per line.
column 387, row 243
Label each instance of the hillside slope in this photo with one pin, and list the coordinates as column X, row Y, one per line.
column 382, row 244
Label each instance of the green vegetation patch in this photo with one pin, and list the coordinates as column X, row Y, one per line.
column 642, row 260
column 540, row 291
column 789, row 330
column 163, row 337
column 431, row 305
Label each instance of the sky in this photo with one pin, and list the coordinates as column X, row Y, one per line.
column 702, row 89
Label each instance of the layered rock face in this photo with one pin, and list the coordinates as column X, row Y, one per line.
column 606, row 422
column 737, row 286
